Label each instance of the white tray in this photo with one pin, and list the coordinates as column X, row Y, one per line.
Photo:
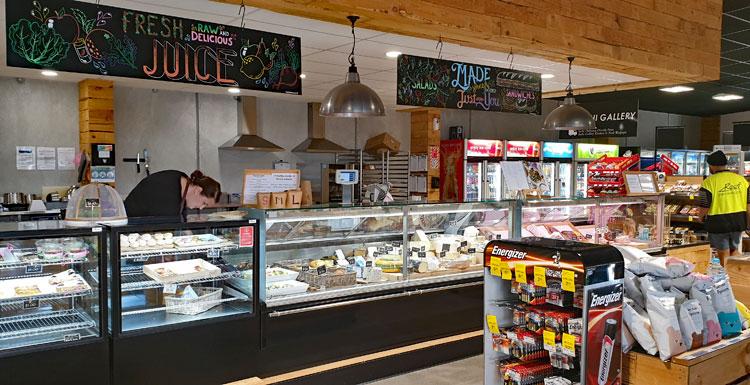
column 287, row 275
column 294, row 287
column 200, row 240
column 7, row 288
column 181, row 271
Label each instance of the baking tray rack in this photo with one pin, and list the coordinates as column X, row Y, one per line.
column 35, row 325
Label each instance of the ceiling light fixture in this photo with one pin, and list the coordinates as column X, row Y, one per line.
column 569, row 116
column 302, row 76
column 676, row 89
column 352, row 99
column 49, row 73
column 393, row 54
column 548, row 76
column 233, row 90
column 727, row 97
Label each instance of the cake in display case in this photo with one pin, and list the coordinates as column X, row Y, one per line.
column 323, row 253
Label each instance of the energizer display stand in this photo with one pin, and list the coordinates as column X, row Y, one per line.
column 553, row 313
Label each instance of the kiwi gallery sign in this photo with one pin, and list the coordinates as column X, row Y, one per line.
column 95, row 39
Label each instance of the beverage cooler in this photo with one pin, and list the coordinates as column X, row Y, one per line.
column 183, row 303
column 735, row 157
column 470, row 170
column 585, row 154
column 553, row 313
column 529, row 153
column 557, row 164
column 53, row 312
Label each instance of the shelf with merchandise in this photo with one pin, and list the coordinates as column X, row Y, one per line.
column 146, row 254
column 25, row 258
column 133, row 279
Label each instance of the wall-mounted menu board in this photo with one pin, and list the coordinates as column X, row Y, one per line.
column 267, row 181
column 88, row 38
column 428, row 82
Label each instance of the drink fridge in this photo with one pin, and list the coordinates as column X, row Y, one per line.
column 735, row 157
column 529, row 153
column 553, row 313
column 557, row 164
column 470, row 170
column 585, row 154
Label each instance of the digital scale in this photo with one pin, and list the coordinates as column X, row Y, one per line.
column 347, row 179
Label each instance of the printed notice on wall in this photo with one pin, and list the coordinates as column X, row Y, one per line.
column 66, row 158
column 267, row 181
column 46, row 158
column 25, row 158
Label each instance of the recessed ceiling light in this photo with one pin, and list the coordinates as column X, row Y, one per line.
column 393, row 54
column 49, row 73
column 676, row 89
column 302, row 76
column 233, row 90
column 548, row 76
column 727, row 97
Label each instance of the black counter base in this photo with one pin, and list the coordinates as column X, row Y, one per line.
column 85, row 364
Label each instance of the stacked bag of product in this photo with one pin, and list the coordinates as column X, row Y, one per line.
column 669, row 309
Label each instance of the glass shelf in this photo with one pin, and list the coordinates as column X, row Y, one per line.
column 45, row 297
column 140, row 281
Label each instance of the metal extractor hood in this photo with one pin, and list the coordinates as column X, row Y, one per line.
column 316, row 141
column 247, row 138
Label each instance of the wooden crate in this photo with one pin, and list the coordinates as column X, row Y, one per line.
column 700, row 255
column 738, row 269
column 723, row 363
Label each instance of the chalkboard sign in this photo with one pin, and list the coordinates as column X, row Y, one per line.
column 96, row 39
column 428, row 82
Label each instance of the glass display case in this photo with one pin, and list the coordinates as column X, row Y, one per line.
column 178, row 273
column 50, row 292
column 327, row 252
column 627, row 221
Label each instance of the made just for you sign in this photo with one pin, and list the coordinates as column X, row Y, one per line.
column 614, row 119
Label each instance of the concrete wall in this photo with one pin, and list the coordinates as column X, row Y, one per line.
column 45, row 113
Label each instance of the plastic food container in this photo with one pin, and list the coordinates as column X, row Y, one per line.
column 47, row 248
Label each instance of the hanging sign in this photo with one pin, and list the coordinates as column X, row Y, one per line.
column 557, row 150
column 428, row 82
column 95, row 39
column 615, row 118
column 521, row 149
column 484, row 148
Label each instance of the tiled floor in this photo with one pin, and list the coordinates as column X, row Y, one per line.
column 469, row 371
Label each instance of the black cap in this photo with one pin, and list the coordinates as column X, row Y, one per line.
column 717, row 158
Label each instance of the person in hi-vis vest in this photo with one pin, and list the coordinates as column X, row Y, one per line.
column 725, row 194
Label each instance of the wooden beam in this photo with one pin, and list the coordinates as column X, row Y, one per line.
column 653, row 39
column 609, row 88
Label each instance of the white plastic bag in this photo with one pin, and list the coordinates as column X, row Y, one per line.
column 665, row 324
column 633, row 288
column 711, row 326
column 691, row 323
column 640, row 262
column 639, row 326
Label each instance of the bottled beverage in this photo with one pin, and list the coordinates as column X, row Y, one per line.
column 716, row 270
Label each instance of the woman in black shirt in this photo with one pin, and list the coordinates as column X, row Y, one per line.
column 168, row 193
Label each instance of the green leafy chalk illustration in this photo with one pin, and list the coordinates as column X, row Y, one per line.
column 37, row 43
column 121, row 51
column 86, row 24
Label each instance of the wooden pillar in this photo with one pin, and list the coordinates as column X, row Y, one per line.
column 710, row 132
column 425, row 140
column 96, row 115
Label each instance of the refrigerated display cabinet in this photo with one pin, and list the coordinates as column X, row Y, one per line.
column 52, row 310
column 177, row 287
column 339, row 272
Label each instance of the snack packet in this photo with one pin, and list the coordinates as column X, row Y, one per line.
column 679, row 296
column 665, row 324
column 681, row 283
column 726, row 309
column 691, row 323
column 639, row 325
column 633, row 289
column 639, row 262
column 702, row 291
column 650, row 283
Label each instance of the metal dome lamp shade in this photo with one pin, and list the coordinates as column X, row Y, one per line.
column 569, row 116
column 352, row 99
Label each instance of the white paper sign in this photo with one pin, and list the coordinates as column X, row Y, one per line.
column 25, row 158
column 66, row 158
column 514, row 176
column 275, row 181
column 46, row 158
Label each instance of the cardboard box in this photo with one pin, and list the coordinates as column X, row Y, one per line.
column 382, row 143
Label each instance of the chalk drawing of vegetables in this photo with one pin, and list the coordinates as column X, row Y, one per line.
column 36, row 43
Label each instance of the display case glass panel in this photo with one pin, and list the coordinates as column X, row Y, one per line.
column 49, row 284
column 568, row 219
column 174, row 274
column 631, row 221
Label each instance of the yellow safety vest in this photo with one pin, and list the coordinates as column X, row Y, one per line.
column 728, row 193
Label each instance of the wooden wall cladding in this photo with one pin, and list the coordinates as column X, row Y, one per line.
column 96, row 113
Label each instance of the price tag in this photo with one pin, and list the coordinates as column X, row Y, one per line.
column 495, row 266
column 446, row 247
column 34, row 269
column 492, row 324
column 471, row 250
column 305, row 268
column 96, row 229
column 415, row 249
column 213, row 253
column 389, row 248
column 569, row 281
column 368, row 264
column 505, row 271
column 31, row 304
column 140, row 260
column 170, row 288
column 321, row 270
column 422, row 254
column 569, row 344
column 520, row 272
column 540, row 276
column 72, row 337
column 692, row 196
column 464, row 243
column 690, row 218
column 350, row 260
column 549, row 340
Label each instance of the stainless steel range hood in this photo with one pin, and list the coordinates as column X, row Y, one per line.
column 247, row 138
column 316, row 141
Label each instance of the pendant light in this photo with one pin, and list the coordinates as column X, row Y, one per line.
column 352, row 99
column 569, row 116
